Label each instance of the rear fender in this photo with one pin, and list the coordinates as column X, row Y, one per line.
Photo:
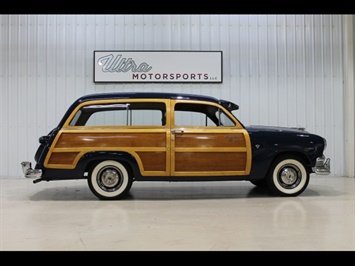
column 90, row 159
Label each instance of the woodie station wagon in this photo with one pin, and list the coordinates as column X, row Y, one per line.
column 114, row 139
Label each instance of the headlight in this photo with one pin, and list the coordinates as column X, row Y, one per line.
column 325, row 143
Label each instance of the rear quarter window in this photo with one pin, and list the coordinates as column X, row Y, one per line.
column 123, row 114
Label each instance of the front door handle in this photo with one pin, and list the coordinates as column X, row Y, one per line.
column 177, row 131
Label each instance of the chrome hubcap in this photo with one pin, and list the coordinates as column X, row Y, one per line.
column 289, row 176
column 109, row 178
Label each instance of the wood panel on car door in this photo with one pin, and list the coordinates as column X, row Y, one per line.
column 210, row 151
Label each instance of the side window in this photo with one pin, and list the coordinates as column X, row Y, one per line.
column 193, row 114
column 126, row 114
column 225, row 120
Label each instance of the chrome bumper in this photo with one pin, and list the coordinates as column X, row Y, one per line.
column 322, row 166
column 29, row 172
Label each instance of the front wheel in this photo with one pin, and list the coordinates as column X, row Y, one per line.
column 288, row 176
column 109, row 180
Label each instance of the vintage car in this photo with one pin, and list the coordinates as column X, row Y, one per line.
column 114, row 139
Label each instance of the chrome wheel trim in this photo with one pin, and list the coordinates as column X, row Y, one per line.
column 289, row 176
column 109, row 178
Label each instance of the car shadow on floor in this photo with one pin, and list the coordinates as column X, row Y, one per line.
column 175, row 191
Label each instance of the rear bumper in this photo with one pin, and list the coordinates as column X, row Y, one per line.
column 29, row 172
column 322, row 166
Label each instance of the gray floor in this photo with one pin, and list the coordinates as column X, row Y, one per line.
column 206, row 216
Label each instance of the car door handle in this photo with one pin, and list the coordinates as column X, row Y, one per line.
column 178, row 131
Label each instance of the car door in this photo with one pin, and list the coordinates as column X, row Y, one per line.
column 203, row 146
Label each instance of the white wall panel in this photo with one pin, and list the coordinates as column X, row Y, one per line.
column 283, row 70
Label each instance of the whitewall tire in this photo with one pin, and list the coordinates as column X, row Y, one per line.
column 109, row 180
column 288, row 176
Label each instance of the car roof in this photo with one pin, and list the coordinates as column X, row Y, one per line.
column 156, row 95
column 148, row 95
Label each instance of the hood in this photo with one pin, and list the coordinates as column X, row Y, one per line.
column 256, row 128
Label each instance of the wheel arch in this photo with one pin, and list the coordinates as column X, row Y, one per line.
column 294, row 154
column 261, row 167
column 89, row 160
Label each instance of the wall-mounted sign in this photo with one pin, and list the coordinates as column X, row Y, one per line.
column 158, row 66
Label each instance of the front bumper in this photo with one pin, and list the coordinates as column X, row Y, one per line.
column 322, row 166
column 29, row 172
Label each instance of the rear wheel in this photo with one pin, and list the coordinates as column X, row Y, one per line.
column 109, row 180
column 288, row 176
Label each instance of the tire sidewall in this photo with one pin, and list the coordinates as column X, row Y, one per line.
column 273, row 178
column 107, row 195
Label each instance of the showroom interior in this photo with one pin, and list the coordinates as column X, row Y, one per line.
column 290, row 70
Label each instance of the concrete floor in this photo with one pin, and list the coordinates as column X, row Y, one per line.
column 159, row 216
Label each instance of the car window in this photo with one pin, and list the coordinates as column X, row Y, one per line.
column 123, row 114
column 193, row 114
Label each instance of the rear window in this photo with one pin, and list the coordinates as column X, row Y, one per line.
column 122, row 114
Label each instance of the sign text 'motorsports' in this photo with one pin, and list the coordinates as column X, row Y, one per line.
column 158, row 66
